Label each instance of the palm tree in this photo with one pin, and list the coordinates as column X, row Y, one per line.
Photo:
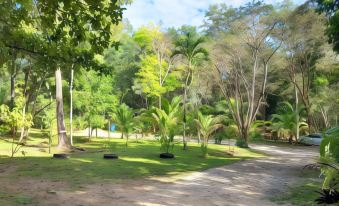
column 189, row 48
column 166, row 120
column 288, row 120
column 207, row 125
column 123, row 117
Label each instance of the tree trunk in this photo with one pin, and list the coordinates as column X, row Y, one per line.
column 23, row 129
column 297, row 113
column 244, row 135
column 309, row 119
column 324, row 115
column 184, row 122
column 63, row 142
column 290, row 139
column 71, row 108
column 13, row 76
column 92, row 129
column 126, row 140
column 246, row 139
column 109, row 129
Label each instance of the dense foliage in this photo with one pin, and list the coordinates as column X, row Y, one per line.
column 267, row 70
column 253, row 72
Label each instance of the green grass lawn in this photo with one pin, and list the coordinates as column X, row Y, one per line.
column 138, row 160
column 302, row 193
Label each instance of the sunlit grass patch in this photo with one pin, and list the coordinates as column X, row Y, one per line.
column 139, row 159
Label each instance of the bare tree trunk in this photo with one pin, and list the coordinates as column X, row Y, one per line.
column 63, row 142
column 23, row 129
column 297, row 113
column 324, row 115
column 71, row 108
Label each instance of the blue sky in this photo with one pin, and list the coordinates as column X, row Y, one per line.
column 174, row 13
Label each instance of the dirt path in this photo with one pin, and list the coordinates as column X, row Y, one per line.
column 249, row 182
column 245, row 183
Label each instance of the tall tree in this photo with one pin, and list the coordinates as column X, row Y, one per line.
column 64, row 26
column 331, row 7
column 189, row 48
column 94, row 96
column 247, row 50
column 156, row 75
column 302, row 42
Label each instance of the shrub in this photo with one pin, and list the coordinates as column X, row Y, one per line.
column 241, row 143
column 207, row 125
column 167, row 120
column 256, row 135
column 207, row 110
column 329, row 162
column 228, row 132
column 219, row 136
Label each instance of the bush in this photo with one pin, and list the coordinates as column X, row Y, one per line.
column 256, row 135
column 207, row 110
column 4, row 118
column 229, row 132
column 4, row 128
column 80, row 123
column 219, row 136
column 329, row 161
column 241, row 143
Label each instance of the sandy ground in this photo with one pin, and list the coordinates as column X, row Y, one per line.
column 249, row 182
column 104, row 133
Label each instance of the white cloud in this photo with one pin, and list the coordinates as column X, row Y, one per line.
column 174, row 13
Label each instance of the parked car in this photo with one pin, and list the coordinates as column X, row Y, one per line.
column 311, row 139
